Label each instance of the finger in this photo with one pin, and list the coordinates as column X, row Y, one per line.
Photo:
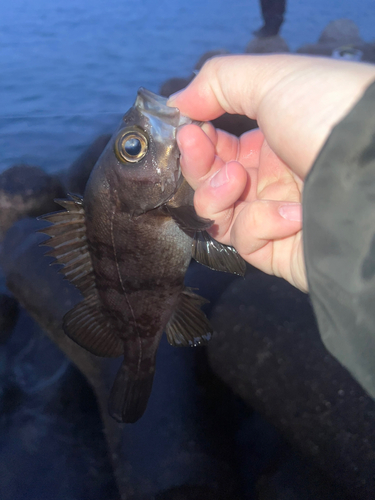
column 232, row 84
column 251, row 144
column 199, row 145
column 297, row 91
column 216, row 197
column 264, row 221
column 197, row 154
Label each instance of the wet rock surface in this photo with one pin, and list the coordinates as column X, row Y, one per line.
column 8, row 316
column 51, row 440
column 26, row 191
column 168, row 447
column 196, row 438
column 268, row 350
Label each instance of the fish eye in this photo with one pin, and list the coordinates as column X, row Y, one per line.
column 131, row 145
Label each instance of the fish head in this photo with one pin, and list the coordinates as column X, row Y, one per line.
column 142, row 158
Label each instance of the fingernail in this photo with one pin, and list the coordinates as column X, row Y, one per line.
column 220, row 177
column 172, row 97
column 291, row 211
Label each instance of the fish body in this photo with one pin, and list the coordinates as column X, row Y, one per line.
column 127, row 245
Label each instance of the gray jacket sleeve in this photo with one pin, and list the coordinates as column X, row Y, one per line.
column 339, row 240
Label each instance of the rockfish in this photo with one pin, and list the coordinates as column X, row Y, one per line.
column 126, row 245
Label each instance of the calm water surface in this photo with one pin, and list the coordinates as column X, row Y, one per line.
column 70, row 68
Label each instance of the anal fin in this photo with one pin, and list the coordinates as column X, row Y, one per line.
column 91, row 329
column 188, row 325
column 209, row 252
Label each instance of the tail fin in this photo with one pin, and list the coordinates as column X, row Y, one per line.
column 129, row 396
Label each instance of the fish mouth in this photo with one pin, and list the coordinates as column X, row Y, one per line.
column 156, row 105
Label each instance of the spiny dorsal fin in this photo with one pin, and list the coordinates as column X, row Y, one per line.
column 188, row 325
column 209, row 252
column 69, row 243
column 91, row 329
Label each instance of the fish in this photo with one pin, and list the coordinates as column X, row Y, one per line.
column 126, row 245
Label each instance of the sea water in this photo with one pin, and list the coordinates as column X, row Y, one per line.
column 70, row 68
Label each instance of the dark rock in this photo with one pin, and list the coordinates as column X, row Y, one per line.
column 8, row 316
column 26, row 191
column 170, row 446
column 173, row 85
column 51, row 438
column 340, row 32
column 192, row 493
column 268, row 350
column 368, row 51
column 269, row 45
column 234, row 124
column 80, row 170
column 295, row 479
column 341, row 39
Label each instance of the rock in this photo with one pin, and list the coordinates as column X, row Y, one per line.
column 341, row 39
column 340, row 32
column 268, row 45
column 268, row 350
column 173, row 85
column 8, row 316
column 26, row 191
column 234, row 124
column 78, row 173
column 170, row 445
column 48, row 415
column 368, row 51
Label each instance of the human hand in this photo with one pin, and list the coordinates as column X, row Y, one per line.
column 252, row 186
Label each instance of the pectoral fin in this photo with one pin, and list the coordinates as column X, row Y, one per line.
column 187, row 218
column 188, row 325
column 209, row 252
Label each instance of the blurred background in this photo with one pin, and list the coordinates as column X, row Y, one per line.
column 264, row 412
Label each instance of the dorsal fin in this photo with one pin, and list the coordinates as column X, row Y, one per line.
column 86, row 324
column 69, row 243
